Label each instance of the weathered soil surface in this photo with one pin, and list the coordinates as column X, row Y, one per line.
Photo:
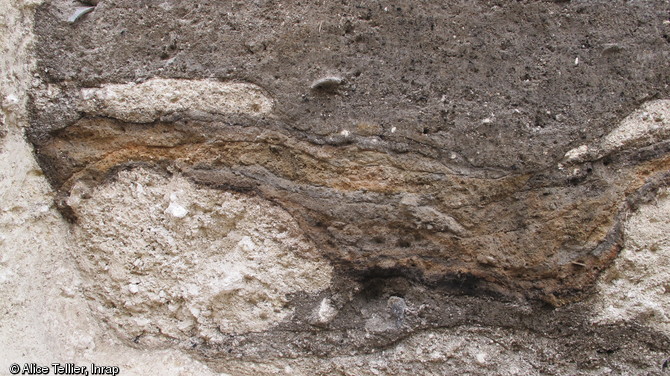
column 460, row 163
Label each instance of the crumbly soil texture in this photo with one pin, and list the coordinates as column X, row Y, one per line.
column 419, row 147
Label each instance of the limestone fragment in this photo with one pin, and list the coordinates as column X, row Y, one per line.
column 148, row 101
column 648, row 125
column 213, row 268
column 637, row 285
column 577, row 155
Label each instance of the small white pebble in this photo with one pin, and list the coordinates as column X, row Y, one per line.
column 68, row 291
column 345, row 133
column 11, row 102
column 577, row 154
column 247, row 244
column 326, row 311
column 176, row 210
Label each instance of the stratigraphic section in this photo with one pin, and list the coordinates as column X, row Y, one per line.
column 403, row 140
column 164, row 259
column 148, row 101
column 319, row 187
